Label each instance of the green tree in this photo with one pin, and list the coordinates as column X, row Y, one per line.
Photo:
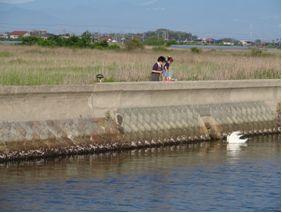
column 134, row 43
column 154, row 41
column 85, row 39
column 31, row 40
column 171, row 42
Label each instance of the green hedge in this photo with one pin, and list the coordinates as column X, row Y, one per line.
column 73, row 41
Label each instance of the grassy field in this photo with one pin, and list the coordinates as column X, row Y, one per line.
column 25, row 65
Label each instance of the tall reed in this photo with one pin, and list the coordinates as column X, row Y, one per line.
column 33, row 65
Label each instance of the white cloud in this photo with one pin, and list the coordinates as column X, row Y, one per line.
column 15, row 1
column 143, row 3
column 156, row 8
column 149, row 2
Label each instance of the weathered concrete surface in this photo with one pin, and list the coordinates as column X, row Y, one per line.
column 183, row 93
column 56, row 120
column 24, row 103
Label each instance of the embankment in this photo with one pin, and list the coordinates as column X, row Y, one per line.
column 39, row 121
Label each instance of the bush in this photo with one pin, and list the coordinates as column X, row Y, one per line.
column 29, row 40
column 196, row 50
column 171, row 42
column 256, row 52
column 72, row 41
column 103, row 44
column 154, row 41
column 84, row 41
column 114, row 47
column 109, row 79
column 134, row 44
column 100, row 45
column 5, row 54
column 160, row 49
column 46, row 43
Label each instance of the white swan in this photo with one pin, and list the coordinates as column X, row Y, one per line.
column 234, row 144
column 235, row 138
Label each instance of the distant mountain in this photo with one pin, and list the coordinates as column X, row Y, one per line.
column 16, row 17
column 217, row 18
column 94, row 15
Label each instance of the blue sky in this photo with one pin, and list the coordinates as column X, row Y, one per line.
column 241, row 19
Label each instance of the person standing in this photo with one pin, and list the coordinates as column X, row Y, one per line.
column 158, row 69
column 167, row 72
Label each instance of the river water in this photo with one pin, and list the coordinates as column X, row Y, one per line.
column 210, row 47
column 210, row 176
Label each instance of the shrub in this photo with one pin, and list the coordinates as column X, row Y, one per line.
column 5, row 54
column 46, row 43
column 103, row 44
column 134, row 44
column 114, row 47
column 160, row 49
column 171, row 42
column 196, row 50
column 109, row 79
column 29, row 40
column 84, row 41
column 154, row 41
column 256, row 52
column 72, row 41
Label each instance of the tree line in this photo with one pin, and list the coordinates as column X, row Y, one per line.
column 83, row 41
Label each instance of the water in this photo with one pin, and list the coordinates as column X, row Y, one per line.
column 210, row 47
column 199, row 177
column 10, row 42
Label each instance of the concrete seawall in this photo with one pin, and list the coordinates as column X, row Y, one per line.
column 53, row 120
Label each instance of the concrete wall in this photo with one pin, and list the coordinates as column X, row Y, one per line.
column 150, row 94
column 38, row 121
column 24, row 103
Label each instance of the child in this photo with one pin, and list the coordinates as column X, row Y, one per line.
column 167, row 73
column 157, row 69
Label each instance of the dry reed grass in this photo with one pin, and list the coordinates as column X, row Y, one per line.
column 24, row 65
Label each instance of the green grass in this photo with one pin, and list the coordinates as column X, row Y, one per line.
column 5, row 54
column 31, row 78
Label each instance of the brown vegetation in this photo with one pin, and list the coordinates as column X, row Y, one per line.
column 33, row 65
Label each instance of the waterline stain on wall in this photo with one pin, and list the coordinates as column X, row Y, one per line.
column 134, row 127
column 61, row 120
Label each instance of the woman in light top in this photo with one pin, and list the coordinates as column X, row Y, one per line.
column 167, row 72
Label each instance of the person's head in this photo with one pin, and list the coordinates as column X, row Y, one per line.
column 161, row 60
column 169, row 59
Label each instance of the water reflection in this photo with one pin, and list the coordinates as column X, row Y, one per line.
column 234, row 151
column 196, row 177
column 127, row 162
column 234, row 148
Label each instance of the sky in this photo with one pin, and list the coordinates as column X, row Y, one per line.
column 240, row 19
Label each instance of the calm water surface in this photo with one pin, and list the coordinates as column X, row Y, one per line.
column 210, row 47
column 204, row 177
